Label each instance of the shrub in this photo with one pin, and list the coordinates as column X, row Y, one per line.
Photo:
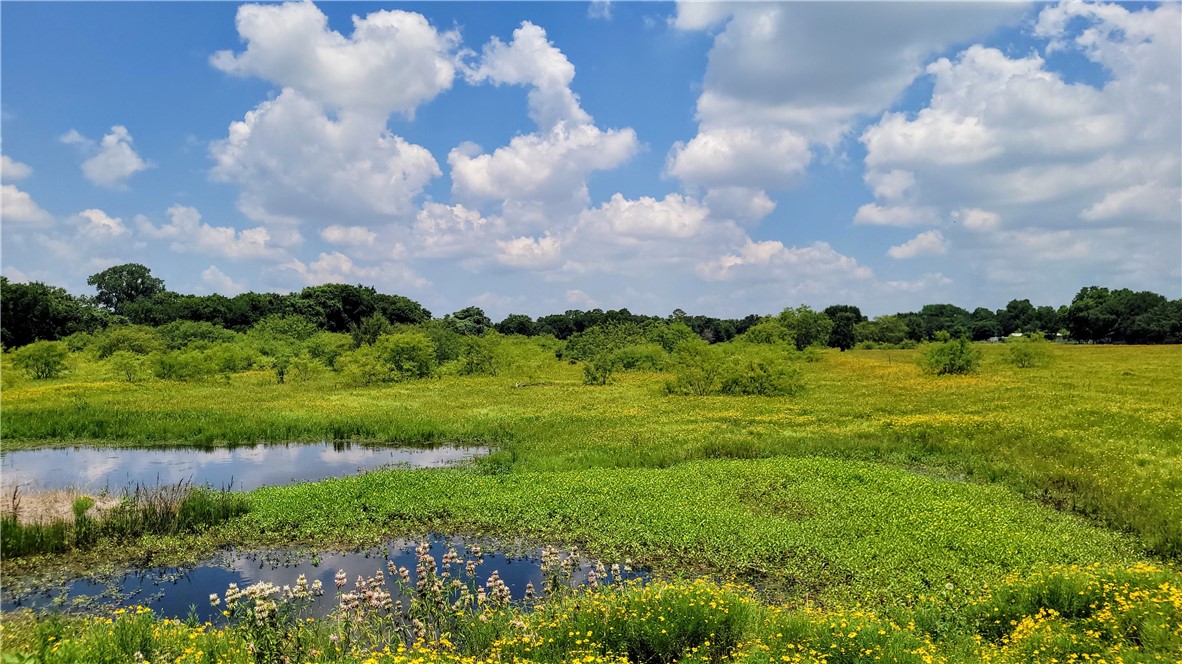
column 128, row 366
column 768, row 331
column 1028, row 351
column 231, row 358
column 601, row 339
column 328, row 347
column 598, row 371
column 763, row 377
column 291, row 327
column 406, row 355
column 479, row 355
column 950, row 356
column 670, row 335
column 645, row 357
column 78, row 341
column 180, row 365
column 42, row 359
column 699, row 368
column 180, row 333
column 136, row 339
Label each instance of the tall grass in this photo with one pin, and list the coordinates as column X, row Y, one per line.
column 1097, row 431
column 164, row 510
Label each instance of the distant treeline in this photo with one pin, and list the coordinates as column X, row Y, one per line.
column 130, row 295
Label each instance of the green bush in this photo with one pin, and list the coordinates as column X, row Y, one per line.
column 598, row 371
column 407, row 355
column 136, row 339
column 42, row 359
column 180, row 333
column 181, row 365
column 480, row 355
column 128, row 366
column 601, row 340
column 765, row 377
column 328, row 347
column 768, row 331
column 950, row 356
column 645, row 357
column 699, row 367
column 78, row 341
column 1028, row 351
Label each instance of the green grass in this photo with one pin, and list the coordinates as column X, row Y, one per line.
column 1097, row 431
column 801, row 528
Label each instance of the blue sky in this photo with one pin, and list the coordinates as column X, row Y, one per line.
column 536, row 157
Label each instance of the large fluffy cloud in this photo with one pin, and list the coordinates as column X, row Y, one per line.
column 541, row 177
column 783, row 77
column 393, row 62
column 293, row 162
column 322, row 149
column 1036, row 168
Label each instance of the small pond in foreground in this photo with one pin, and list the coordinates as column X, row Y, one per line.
column 171, row 592
column 242, row 468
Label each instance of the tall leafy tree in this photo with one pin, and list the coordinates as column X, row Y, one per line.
column 36, row 311
column 122, row 284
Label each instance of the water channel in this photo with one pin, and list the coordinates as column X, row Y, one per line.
column 174, row 592
column 92, row 469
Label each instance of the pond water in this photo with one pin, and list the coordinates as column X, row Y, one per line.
column 244, row 468
column 171, row 592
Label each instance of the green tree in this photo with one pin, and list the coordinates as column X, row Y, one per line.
column 369, row 330
column 808, row 327
column 983, row 324
column 768, row 331
column 881, row 330
column 117, row 286
column 42, row 359
column 832, row 312
column 517, row 324
column 470, row 320
column 842, row 334
column 32, row 311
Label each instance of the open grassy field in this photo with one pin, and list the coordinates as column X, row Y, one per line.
column 877, row 485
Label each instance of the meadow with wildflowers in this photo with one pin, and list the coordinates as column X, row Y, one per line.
column 933, row 518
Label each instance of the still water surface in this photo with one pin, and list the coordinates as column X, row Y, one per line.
column 244, row 468
column 171, row 592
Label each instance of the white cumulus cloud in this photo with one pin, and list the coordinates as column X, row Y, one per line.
column 18, row 207
column 113, row 160
column 12, row 170
column 216, row 281
column 191, row 235
column 393, row 62
column 348, row 235
column 927, row 242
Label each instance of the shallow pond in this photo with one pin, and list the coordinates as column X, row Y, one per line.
column 244, row 468
column 172, row 591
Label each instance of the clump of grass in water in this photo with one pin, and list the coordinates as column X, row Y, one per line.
column 164, row 510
